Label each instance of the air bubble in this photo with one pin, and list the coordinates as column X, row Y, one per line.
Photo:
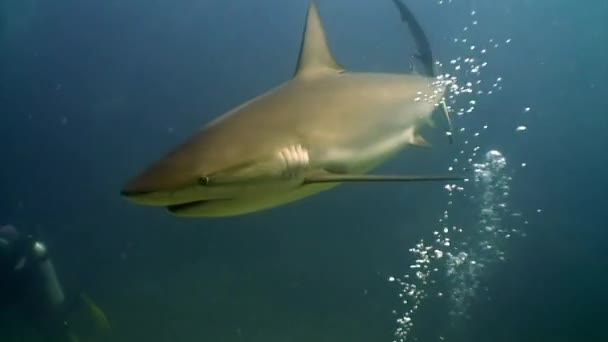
column 487, row 179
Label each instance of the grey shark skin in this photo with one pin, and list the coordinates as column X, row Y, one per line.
column 323, row 127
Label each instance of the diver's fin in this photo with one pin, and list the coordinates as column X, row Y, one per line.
column 97, row 315
column 73, row 337
column 340, row 178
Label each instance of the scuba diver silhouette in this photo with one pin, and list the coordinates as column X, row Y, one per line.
column 28, row 280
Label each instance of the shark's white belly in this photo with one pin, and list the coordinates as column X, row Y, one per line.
column 364, row 159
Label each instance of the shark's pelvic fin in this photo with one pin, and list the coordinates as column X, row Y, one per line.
column 341, row 178
column 315, row 57
column 419, row 141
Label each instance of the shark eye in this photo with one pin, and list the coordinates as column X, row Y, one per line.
column 203, row 180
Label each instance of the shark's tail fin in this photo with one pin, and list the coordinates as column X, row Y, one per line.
column 424, row 55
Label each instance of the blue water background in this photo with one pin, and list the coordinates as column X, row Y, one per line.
column 92, row 91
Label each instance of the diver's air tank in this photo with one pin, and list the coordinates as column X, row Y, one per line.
column 49, row 284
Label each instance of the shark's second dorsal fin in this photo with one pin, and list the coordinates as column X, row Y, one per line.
column 315, row 57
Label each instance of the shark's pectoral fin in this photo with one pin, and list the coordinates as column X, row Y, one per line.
column 342, row 178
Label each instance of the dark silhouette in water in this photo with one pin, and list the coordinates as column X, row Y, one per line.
column 424, row 54
column 28, row 281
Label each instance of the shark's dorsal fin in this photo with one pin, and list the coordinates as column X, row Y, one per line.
column 315, row 57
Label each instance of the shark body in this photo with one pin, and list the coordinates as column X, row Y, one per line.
column 323, row 127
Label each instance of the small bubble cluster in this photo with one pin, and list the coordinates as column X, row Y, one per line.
column 438, row 87
column 428, row 261
column 414, row 286
column 483, row 244
column 463, row 250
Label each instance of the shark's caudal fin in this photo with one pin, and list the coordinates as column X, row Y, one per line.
column 315, row 57
column 338, row 178
column 424, row 55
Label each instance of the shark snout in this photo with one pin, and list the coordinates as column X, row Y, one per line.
column 167, row 174
column 137, row 193
column 148, row 196
column 157, row 185
column 167, row 184
column 140, row 185
column 129, row 192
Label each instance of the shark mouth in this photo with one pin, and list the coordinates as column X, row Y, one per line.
column 176, row 208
